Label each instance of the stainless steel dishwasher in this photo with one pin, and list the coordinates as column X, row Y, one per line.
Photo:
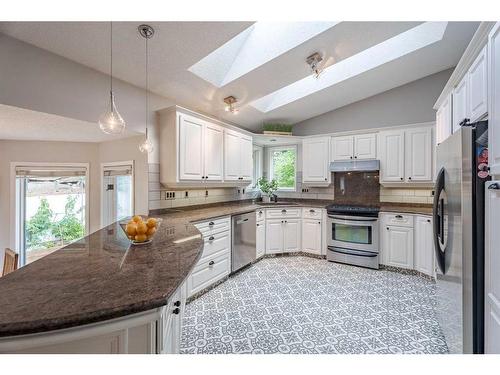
column 243, row 249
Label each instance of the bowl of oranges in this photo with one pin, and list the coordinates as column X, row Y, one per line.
column 140, row 230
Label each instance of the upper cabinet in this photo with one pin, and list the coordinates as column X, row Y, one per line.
column 406, row 155
column 359, row 146
column 443, row 120
column 494, row 99
column 194, row 150
column 238, row 165
column 315, row 161
column 478, row 87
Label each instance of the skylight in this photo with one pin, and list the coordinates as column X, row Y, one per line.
column 382, row 53
column 255, row 46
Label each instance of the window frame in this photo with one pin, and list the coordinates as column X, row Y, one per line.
column 258, row 166
column 271, row 167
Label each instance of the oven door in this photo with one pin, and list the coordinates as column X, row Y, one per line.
column 353, row 232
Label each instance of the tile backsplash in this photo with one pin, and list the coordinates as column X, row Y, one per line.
column 406, row 195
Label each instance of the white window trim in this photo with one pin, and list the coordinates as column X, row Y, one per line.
column 270, row 164
column 260, row 163
column 14, row 239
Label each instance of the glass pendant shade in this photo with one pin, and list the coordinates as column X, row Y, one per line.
column 146, row 146
column 111, row 122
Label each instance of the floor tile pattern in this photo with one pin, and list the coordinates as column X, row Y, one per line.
column 306, row 305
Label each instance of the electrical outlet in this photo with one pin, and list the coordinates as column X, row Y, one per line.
column 186, row 194
column 243, row 192
column 305, row 190
column 169, row 195
column 206, row 193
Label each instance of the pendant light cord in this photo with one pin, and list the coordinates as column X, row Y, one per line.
column 147, row 87
column 111, row 61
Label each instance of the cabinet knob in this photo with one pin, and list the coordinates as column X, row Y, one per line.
column 211, row 263
column 211, row 238
column 286, row 221
column 319, row 222
column 312, row 211
column 283, row 210
column 176, row 311
column 206, row 177
column 355, row 157
column 211, row 223
column 401, row 178
column 399, row 217
column 409, row 178
column 326, row 179
column 351, row 157
column 428, row 220
column 177, row 303
column 387, row 228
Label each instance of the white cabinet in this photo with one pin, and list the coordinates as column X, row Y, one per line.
column 398, row 246
column 444, row 120
column 492, row 274
column 391, row 152
column 191, row 156
column 460, row 104
column 213, row 161
column 260, row 238
column 478, row 87
column 274, row 236
column 291, row 235
column 418, row 154
column 311, row 236
column 238, row 151
column 424, row 245
column 360, row 146
column 406, row 155
column 315, row 161
column 494, row 99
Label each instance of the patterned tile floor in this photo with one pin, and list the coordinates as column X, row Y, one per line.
column 305, row 305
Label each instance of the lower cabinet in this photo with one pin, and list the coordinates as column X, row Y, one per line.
column 170, row 323
column 311, row 236
column 424, row 245
column 260, row 238
column 283, row 235
column 398, row 246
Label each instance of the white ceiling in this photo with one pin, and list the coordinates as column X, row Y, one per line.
column 23, row 124
column 177, row 46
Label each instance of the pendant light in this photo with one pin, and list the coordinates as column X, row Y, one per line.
column 111, row 122
column 146, row 32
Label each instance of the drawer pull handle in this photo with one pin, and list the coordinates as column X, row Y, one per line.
column 211, row 238
column 177, row 303
column 399, row 217
column 312, row 211
column 211, row 223
column 176, row 311
column 283, row 210
column 211, row 263
column 260, row 212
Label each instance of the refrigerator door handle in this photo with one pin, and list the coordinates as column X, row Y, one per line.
column 439, row 221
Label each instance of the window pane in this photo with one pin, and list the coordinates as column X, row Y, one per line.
column 283, row 166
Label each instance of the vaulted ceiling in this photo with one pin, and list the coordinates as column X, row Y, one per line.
column 197, row 64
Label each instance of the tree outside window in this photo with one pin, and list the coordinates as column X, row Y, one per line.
column 283, row 166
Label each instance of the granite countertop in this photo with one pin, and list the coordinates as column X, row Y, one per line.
column 102, row 276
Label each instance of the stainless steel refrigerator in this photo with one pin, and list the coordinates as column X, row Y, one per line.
column 458, row 212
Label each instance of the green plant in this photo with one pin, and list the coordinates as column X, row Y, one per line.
column 284, row 168
column 277, row 127
column 39, row 226
column 267, row 187
column 69, row 228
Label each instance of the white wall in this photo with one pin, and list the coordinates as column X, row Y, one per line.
column 408, row 104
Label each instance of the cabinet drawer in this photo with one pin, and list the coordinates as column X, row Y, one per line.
column 260, row 215
column 312, row 213
column 214, row 226
column 208, row 272
column 274, row 213
column 214, row 243
column 402, row 220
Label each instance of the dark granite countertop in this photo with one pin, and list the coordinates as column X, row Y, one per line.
column 102, row 276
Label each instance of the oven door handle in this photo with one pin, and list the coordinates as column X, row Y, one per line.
column 353, row 218
column 360, row 253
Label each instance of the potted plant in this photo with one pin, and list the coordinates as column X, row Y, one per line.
column 268, row 188
column 277, row 129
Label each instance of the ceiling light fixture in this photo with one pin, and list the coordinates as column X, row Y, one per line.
column 111, row 122
column 315, row 65
column 147, row 33
column 230, row 101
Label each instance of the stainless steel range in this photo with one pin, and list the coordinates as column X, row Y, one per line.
column 353, row 235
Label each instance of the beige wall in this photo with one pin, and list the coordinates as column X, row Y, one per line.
column 71, row 152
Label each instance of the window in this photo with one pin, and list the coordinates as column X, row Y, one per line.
column 282, row 166
column 117, row 191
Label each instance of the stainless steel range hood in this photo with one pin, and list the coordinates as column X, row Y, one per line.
column 355, row 166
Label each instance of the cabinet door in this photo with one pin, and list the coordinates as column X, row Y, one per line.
column 399, row 247
column 418, row 154
column 443, row 120
column 274, row 236
column 246, row 158
column 494, row 99
column 291, row 240
column 365, row 146
column 342, row 148
column 261, row 239
column 460, row 104
column 492, row 276
column 424, row 246
column 232, row 154
column 316, row 160
column 311, row 236
column 478, row 87
column 391, row 156
column 214, row 159
column 190, row 148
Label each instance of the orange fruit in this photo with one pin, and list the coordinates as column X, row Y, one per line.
column 131, row 229
column 137, row 218
column 142, row 228
column 151, row 231
column 141, row 237
column 151, row 222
